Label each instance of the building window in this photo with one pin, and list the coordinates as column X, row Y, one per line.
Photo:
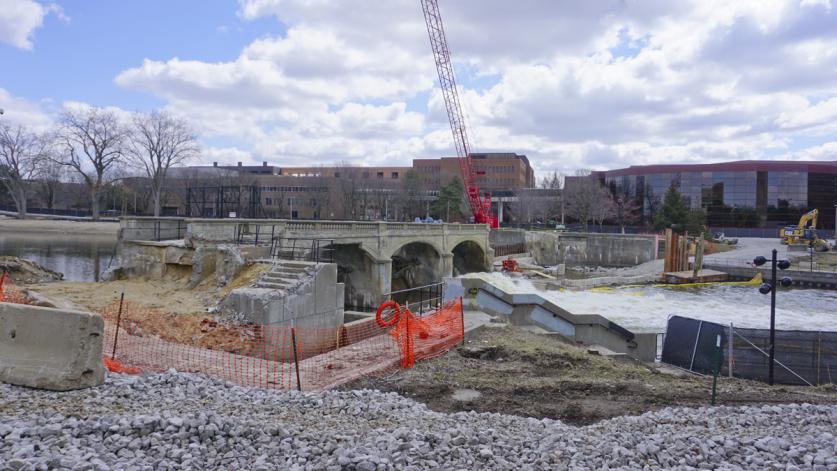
column 336, row 174
column 394, row 174
column 268, row 201
column 380, row 175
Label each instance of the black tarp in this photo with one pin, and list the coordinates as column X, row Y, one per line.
column 811, row 355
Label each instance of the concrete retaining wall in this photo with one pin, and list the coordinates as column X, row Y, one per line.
column 315, row 304
column 533, row 309
column 606, row 250
column 501, row 237
column 48, row 348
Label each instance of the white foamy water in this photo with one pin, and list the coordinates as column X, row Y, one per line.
column 647, row 309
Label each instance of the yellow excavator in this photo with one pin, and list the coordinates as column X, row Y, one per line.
column 803, row 234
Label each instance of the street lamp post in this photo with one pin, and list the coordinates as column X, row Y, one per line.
column 770, row 287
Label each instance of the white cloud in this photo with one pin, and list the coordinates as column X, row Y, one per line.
column 20, row 111
column 578, row 84
column 20, row 18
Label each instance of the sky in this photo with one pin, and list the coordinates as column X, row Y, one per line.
column 571, row 84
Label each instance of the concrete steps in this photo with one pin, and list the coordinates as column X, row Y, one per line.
column 284, row 275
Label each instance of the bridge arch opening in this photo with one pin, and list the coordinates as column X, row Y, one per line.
column 355, row 269
column 468, row 257
column 415, row 264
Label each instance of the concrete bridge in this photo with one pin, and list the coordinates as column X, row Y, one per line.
column 374, row 258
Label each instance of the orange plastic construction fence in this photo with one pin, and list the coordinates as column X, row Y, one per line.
column 9, row 292
column 284, row 357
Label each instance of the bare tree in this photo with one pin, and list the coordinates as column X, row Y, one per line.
column 49, row 180
column 604, row 206
column 586, row 198
column 410, row 195
column 21, row 151
column 626, row 209
column 157, row 142
column 349, row 187
column 92, row 143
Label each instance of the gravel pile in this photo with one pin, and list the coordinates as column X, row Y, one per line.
column 172, row 421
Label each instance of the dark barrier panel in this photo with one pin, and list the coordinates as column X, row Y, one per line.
column 690, row 344
column 679, row 344
column 802, row 357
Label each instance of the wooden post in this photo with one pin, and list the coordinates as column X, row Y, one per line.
column 698, row 255
column 667, row 257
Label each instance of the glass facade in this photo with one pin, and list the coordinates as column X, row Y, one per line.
column 738, row 194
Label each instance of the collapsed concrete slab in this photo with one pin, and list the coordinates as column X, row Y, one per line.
column 55, row 349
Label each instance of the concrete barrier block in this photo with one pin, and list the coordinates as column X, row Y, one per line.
column 52, row 349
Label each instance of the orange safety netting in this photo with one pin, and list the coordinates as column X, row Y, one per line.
column 9, row 293
column 272, row 356
column 422, row 337
column 284, row 357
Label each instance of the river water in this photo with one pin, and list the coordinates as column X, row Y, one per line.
column 647, row 308
column 78, row 257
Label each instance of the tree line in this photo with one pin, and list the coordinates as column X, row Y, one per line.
column 95, row 147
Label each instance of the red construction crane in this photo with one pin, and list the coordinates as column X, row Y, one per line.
column 480, row 204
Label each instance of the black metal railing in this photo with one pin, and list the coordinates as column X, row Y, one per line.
column 308, row 250
column 156, row 230
column 421, row 299
column 255, row 234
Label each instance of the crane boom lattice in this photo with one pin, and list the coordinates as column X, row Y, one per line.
column 480, row 207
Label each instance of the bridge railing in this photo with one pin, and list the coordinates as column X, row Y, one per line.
column 266, row 229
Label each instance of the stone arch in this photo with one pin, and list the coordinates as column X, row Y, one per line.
column 416, row 263
column 469, row 257
column 356, row 270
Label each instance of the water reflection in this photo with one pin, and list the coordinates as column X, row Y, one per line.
column 79, row 258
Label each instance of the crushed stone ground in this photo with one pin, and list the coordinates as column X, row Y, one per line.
column 181, row 421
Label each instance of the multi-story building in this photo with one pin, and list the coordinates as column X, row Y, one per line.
column 346, row 192
column 747, row 193
column 372, row 175
column 494, row 171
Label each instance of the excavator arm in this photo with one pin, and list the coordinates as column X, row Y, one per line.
column 810, row 216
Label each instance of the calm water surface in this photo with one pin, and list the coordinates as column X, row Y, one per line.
column 78, row 257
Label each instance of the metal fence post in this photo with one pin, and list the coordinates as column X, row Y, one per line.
column 296, row 359
column 462, row 317
column 694, row 350
column 729, row 349
column 819, row 351
column 716, row 367
column 118, row 319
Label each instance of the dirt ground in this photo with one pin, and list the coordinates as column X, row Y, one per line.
column 522, row 373
column 165, row 308
column 41, row 226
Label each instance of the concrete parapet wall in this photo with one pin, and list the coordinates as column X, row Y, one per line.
column 607, row 250
column 53, row 349
column 533, row 309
